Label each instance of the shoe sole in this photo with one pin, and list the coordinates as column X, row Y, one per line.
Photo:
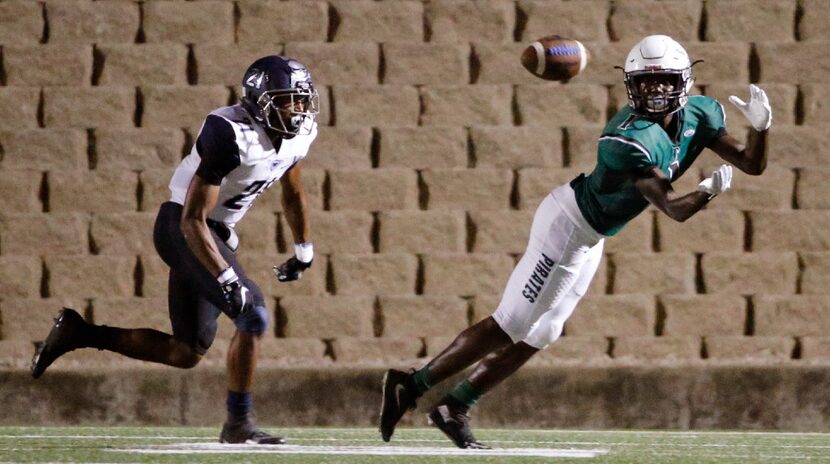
column 464, row 445
column 36, row 369
column 251, row 442
column 268, row 440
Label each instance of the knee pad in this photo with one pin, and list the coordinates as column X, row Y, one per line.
column 253, row 321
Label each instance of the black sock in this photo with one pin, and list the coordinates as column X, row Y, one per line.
column 239, row 404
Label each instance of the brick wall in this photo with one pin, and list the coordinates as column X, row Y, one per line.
column 435, row 149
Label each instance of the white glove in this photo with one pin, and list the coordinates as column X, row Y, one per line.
column 757, row 110
column 720, row 181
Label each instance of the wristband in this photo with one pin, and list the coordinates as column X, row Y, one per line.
column 227, row 276
column 304, row 252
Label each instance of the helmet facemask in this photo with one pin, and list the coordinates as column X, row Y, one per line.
column 289, row 111
column 654, row 102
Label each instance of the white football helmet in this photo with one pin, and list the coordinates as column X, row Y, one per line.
column 658, row 56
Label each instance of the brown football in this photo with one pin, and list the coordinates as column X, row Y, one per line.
column 555, row 58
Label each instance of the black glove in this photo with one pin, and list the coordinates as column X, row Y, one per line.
column 237, row 296
column 291, row 269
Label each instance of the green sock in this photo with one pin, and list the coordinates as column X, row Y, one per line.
column 466, row 393
column 421, row 380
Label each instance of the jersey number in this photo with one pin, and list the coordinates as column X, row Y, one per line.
column 248, row 195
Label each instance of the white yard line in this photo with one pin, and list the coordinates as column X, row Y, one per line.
column 686, row 433
column 108, row 437
column 201, row 448
column 422, row 440
column 744, row 456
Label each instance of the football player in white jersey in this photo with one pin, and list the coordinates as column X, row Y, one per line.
column 643, row 149
column 241, row 150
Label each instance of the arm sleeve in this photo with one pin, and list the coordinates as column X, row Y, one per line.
column 621, row 153
column 217, row 147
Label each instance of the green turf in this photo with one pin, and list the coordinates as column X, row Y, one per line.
column 119, row 445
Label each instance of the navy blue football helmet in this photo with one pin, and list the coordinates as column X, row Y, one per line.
column 279, row 94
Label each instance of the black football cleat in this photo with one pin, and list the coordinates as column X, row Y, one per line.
column 244, row 431
column 66, row 335
column 454, row 421
column 398, row 397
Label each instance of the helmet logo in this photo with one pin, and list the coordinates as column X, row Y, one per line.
column 255, row 80
column 300, row 79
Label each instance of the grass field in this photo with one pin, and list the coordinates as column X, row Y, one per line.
column 360, row 445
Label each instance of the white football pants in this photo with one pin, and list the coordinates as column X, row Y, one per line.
column 562, row 256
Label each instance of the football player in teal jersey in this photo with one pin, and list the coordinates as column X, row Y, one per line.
column 643, row 149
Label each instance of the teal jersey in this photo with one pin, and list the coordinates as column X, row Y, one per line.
column 630, row 145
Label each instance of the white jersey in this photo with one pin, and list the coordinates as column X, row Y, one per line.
column 255, row 166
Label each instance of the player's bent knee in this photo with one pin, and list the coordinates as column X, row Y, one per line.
column 186, row 359
column 191, row 361
column 254, row 321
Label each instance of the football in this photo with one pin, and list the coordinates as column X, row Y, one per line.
column 555, row 58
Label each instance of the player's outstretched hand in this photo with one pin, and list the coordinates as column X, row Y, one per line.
column 294, row 267
column 720, row 181
column 291, row 269
column 757, row 111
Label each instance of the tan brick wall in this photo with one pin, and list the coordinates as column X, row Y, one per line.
column 422, row 231
column 434, row 150
column 22, row 22
column 202, row 21
column 346, row 63
column 84, row 21
column 423, row 148
column 743, row 21
column 144, row 64
column 516, row 147
column 48, row 65
column 703, row 314
column 585, row 19
column 21, row 191
column 385, row 21
column 19, row 107
column 613, row 316
column 303, row 21
column 467, row 20
column 328, row 317
column 497, row 63
column 429, row 316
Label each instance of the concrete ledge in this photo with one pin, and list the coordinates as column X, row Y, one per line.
column 761, row 397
